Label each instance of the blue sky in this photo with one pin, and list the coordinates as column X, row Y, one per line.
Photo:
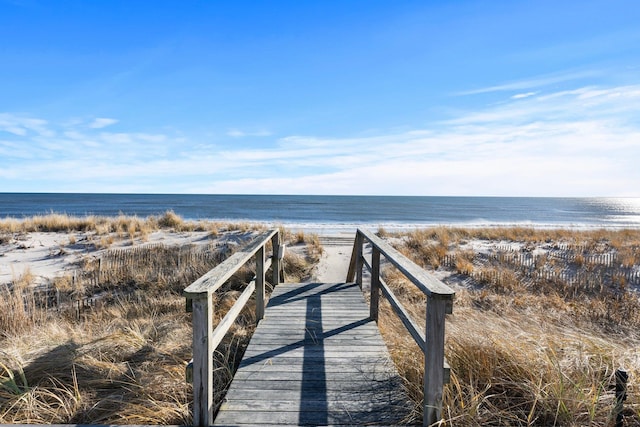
column 484, row 98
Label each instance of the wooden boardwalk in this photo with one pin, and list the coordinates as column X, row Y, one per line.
column 315, row 359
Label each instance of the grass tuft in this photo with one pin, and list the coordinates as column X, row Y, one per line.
column 528, row 343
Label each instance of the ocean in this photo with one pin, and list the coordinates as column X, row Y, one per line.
column 341, row 212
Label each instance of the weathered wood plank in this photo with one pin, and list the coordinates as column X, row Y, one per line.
column 434, row 360
column 426, row 282
column 404, row 316
column 296, row 335
column 374, row 299
column 202, row 363
column 278, row 405
column 295, row 367
column 223, row 271
column 271, row 342
column 275, row 272
column 372, row 396
column 307, row 353
column 225, row 324
column 330, row 358
column 356, row 253
column 260, row 288
column 289, row 361
column 313, row 418
column 312, row 382
column 325, row 324
column 301, row 309
column 312, row 361
column 333, row 314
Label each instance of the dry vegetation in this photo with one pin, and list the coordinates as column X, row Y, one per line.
column 105, row 230
column 534, row 339
column 536, row 335
column 119, row 354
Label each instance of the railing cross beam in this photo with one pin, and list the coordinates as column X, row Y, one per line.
column 439, row 303
column 199, row 297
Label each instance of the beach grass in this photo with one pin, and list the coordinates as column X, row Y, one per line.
column 123, row 225
column 528, row 343
column 114, row 349
column 542, row 318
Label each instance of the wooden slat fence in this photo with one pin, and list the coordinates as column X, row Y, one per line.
column 158, row 257
column 116, row 265
column 589, row 271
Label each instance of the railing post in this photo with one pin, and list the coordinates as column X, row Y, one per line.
column 275, row 260
column 260, row 284
column 434, row 359
column 202, row 360
column 359, row 263
column 375, row 283
column 621, row 395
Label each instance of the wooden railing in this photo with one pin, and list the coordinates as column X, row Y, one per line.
column 199, row 301
column 439, row 303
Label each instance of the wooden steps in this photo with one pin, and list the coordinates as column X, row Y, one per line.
column 315, row 359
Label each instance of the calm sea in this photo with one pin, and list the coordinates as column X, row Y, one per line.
column 338, row 212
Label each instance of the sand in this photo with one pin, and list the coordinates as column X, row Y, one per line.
column 334, row 263
column 46, row 256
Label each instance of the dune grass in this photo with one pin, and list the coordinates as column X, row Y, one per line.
column 121, row 360
column 524, row 351
column 123, row 225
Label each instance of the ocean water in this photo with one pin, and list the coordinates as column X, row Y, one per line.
column 341, row 212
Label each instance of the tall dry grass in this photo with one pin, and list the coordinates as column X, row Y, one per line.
column 123, row 225
column 524, row 352
column 122, row 360
column 17, row 306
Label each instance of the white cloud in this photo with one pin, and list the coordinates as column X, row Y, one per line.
column 523, row 95
column 534, row 82
column 102, row 122
column 16, row 130
column 237, row 133
column 21, row 125
column 580, row 142
column 116, row 138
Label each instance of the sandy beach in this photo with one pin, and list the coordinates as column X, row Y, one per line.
column 44, row 256
column 47, row 255
column 537, row 298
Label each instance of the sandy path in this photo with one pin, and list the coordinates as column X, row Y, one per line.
column 334, row 263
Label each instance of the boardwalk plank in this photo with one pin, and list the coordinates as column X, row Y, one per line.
column 349, row 416
column 315, row 359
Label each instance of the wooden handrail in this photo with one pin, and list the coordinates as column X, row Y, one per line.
column 199, row 301
column 431, row 286
column 439, row 303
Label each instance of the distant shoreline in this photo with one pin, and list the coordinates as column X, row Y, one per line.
column 329, row 228
column 341, row 212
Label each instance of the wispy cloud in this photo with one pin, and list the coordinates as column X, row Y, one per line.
column 102, row 122
column 21, row 125
column 237, row 133
column 523, row 95
column 581, row 141
column 531, row 83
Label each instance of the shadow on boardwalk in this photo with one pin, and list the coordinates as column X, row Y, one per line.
column 316, row 359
